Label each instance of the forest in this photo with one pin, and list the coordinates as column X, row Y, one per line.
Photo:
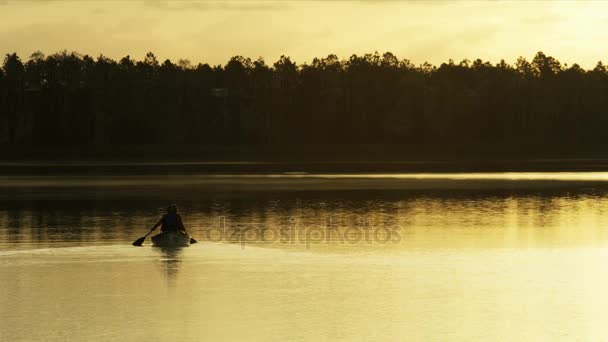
column 69, row 99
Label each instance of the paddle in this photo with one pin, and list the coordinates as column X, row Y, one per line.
column 141, row 240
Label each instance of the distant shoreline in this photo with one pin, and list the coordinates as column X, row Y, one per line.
column 289, row 159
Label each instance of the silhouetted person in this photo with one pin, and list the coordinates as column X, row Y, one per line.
column 171, row 221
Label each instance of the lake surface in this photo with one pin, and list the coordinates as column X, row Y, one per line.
column 305, row 257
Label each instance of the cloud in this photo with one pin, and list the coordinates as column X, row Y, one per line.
column 52, row 37
column 217, row 6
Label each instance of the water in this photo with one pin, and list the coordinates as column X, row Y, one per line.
column 299, row 257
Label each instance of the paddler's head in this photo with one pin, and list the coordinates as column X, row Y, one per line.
column 172, row 209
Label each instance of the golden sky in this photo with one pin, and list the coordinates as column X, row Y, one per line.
column 434, row 31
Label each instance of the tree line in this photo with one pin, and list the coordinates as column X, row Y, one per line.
column 71, row 99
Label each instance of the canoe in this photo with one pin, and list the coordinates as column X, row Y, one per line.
column 171, row 239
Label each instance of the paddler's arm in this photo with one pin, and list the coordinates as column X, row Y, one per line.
column 157, row 224
column 180, row 224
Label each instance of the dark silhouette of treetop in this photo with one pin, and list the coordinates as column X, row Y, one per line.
column 71, row 99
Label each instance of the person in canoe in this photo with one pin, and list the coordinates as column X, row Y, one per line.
column 170, row 222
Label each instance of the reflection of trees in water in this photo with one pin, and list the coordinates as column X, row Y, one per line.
column 267, row 213
column 334, row 217
column 82, row 218
column 302, row 219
